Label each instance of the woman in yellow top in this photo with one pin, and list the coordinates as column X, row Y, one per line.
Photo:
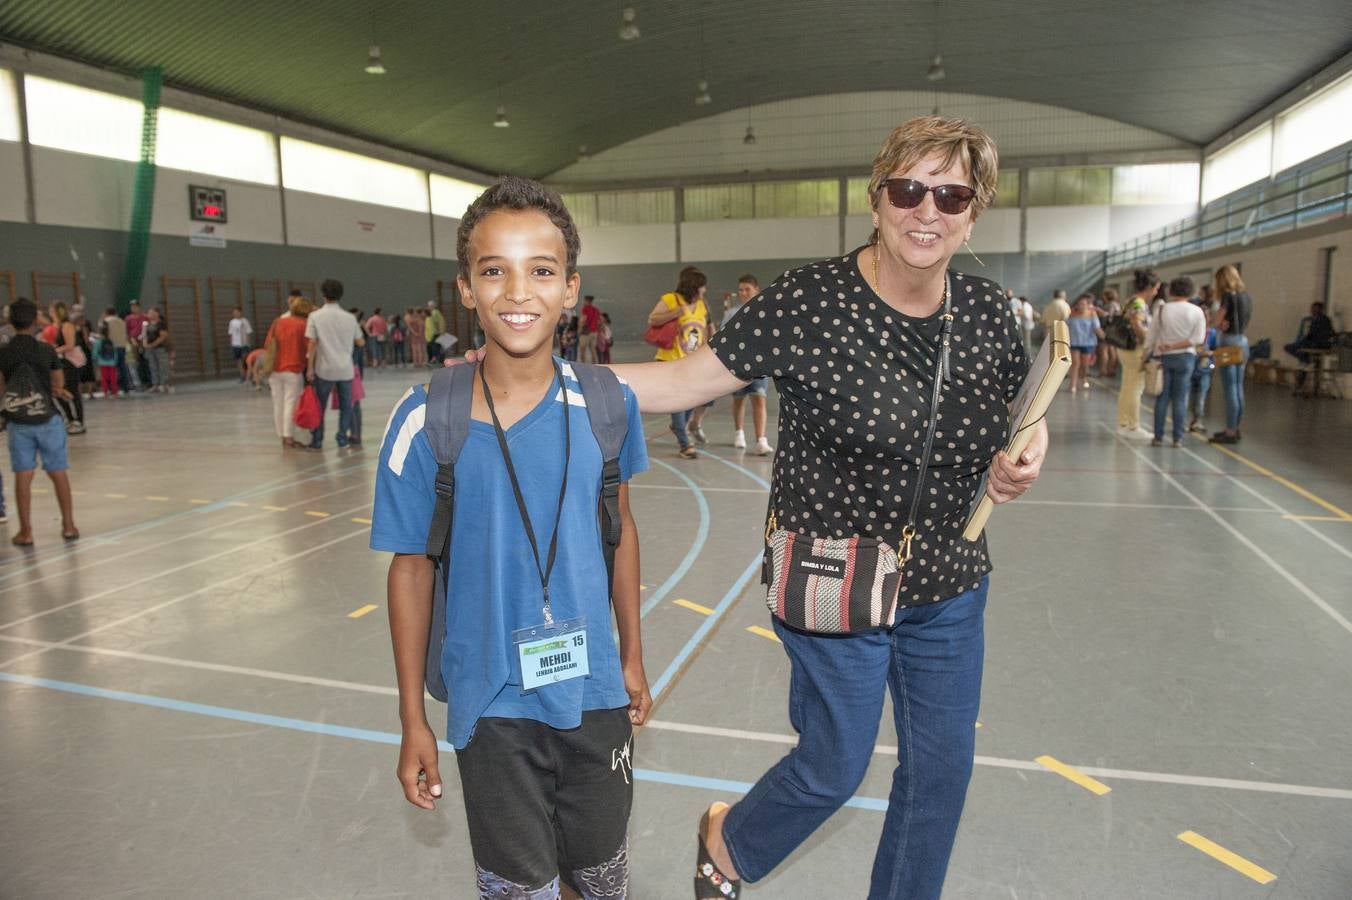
column 686, row 305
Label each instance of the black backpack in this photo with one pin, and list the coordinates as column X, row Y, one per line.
column 24, row 401
column 448, row 415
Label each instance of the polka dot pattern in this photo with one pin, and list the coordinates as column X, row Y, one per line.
column 855, row 378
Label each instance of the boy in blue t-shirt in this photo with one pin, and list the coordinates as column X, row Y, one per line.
column 544, row 764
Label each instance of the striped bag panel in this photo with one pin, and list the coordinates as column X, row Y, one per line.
column 831, row 586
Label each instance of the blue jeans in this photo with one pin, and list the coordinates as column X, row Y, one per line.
column 344, row 389
column 931, row 661
column 1201, row 386
column 1177, row 379
column 1232, row 382
column 678, row 422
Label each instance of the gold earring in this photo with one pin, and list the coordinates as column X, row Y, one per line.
column 973, row 252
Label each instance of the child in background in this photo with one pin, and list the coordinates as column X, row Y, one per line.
column 105, row 357
column 1083, row 324
column 605, row 340
column 1201, row 381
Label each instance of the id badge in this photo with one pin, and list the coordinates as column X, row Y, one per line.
column 549, row 654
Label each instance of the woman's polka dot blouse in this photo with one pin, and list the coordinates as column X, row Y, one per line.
column 855, row 378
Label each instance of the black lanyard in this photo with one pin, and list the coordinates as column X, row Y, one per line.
column 548, row 568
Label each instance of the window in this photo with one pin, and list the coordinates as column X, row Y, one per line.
column 338, row 173
column 763, row 200
column 856, row 195
column 198, row 144
column 451, row 196
column 1155, row 184
column 9, row 107
column 1316, row 124
column 709, row 203
column 1242, row 162
column 66, row 117
column 1006, row 189
column 608, row 208
column 1085, row 186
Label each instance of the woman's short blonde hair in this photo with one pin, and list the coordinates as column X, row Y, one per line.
column 299, row 306
column 954, row 140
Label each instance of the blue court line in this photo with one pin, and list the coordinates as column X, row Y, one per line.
column 705, row 627
column 678, row 779
column 743, row 469
column 26, row 564
column 701, row 535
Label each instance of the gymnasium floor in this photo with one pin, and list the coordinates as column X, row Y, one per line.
column 197, row 698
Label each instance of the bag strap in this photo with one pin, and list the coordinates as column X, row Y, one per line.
column 449, row 396
column 943, row 373
column 610, row 424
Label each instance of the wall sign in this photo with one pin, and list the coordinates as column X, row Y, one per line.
column 207, row 204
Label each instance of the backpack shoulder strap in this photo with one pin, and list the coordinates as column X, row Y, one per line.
column 449, row 396
column 610, row 424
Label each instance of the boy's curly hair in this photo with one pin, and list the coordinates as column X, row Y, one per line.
column 514, row 192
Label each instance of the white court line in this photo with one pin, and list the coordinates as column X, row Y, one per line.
column 1113, row 505
column 188, row 565
column 182, row 537
column 709, row 730
column 179, row 599
column 1239, row 536
column 1276, row 507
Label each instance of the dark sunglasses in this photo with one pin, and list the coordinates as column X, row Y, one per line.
column 907, row 193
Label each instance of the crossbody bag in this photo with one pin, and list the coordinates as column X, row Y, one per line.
column 849, row 585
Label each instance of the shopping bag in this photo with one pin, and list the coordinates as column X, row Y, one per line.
column 308, row 412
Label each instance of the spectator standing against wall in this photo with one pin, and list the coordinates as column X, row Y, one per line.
column 31, row 379
column 589, row 328
column 1176, row 331
column 331, row 332
column 1232, row 322
column 1132, row 359
column 241, row 341
column 757, row 388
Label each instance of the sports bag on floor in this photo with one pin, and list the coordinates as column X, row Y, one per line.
column 449, row 397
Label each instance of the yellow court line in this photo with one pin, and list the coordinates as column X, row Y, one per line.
column 1073, row 774
column 1295, row 518
column 157, row 498
column 358, row 613
column 1284, row 482
column 765, row 633
column 1233, row 860
column 316, row 513
column 198, row 501
column 978, row 724
column 41, row 490
column 116, row 496
column 702, row 610
column 360, row 521
column 236, row 503
column 275, row 508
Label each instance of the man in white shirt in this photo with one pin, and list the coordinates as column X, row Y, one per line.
column 1173, row 337
column 1058, row 310
column 241, row 337
column 330, row 334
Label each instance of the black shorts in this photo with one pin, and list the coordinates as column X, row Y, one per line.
column 545, row 805
column 240, row 352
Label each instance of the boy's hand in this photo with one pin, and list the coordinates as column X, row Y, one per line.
column 418, row 772
column 640, row 701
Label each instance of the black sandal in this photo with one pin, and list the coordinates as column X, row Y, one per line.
column 710, row 882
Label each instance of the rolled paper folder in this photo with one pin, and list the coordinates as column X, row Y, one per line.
column 1030, row 407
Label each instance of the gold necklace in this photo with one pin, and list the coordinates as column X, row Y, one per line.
column 878, row 285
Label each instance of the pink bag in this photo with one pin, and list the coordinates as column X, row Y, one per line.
column 358, row 392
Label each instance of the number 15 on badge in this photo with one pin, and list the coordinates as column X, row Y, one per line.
column 549, row 654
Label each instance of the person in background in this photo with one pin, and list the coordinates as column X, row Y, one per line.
column 433, row 327
column 589, row 327
column 359, row 351
column 417, row 344
column 331, row 333
column 377, row 330
column 1028, row 324
column 687, row 308
column 63, row 339
column 1085, row 332
column 605, row 340
column 286, row 337
column 117, row 333
column 1201, row 379
column 105, row 355
column 1232, row 321
column 1057, row 310
column 1108, row 311
column 568, row 341
column 89, row 372
column 156, row 341
column 30, row 440
column 397, row 355
column 755, row 391
column 241, row 341
column 136, row 323
column 1176, row 330
column 1137, row 311
column 1315, row 333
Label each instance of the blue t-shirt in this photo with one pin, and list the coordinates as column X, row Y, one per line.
column 1083, row 331
column 493, row 586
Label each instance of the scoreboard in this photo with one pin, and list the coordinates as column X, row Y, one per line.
column 207, row 204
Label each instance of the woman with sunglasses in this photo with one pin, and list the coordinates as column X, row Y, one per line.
column 852, row 345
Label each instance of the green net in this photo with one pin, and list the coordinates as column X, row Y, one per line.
column 143, row 199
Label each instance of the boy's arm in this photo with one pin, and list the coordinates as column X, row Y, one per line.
column 409, row 588
column 624, row 596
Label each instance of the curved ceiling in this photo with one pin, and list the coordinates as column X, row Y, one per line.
column 1189, row 70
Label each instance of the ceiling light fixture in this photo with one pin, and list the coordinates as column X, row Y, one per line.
column 936, row 70
column 750, row 139
column 629, row 24
column 500, row 120
column 702, row 96
column 374, row 64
